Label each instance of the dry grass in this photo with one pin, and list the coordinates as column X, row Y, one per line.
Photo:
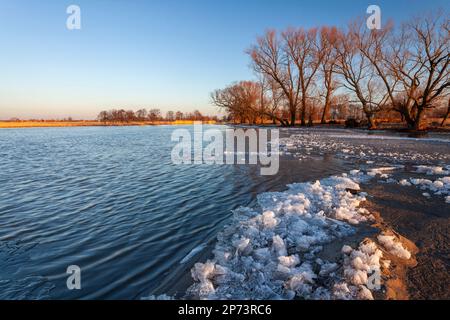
column 85, row 123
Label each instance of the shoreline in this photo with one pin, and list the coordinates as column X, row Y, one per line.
column 6, row 124
column 90, row 123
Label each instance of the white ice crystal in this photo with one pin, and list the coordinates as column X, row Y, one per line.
column 393, row 246
column 432, row 170
column 358, row 264
column 272, row 254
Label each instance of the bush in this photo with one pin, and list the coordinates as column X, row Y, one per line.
column 351, row 123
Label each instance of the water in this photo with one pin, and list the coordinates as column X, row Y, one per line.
column 109, row 200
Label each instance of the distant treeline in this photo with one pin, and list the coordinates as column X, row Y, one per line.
column 152, row 115
column 329, row 74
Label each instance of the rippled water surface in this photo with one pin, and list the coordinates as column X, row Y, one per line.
column 110, row 201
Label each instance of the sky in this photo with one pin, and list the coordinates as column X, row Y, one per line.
column 162, row 54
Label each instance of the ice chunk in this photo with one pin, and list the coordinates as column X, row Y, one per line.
column 278, row 246
column 432, row 170
column 269, row 220
column 365, row 293
column 404, row 182
column 290, row 261
column 347, row 249
column 358, row 264
column 241, row 244
column 272, row 254
column 394, row 247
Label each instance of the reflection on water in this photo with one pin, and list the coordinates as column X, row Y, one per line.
column 111, row 201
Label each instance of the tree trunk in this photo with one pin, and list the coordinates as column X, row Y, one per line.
column 446, row 115
column 293, row 115
column 325, row 110
column 409, row 120
column 303, row 112
column 445, row 118
column 418, row 119
column 371, row 121
column 326, row 106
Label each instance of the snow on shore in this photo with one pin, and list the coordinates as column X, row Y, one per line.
column 358, row 265
column 433, row 170
column 393, row 246
column 363, row 148
column 272, row 253
column 435, row 187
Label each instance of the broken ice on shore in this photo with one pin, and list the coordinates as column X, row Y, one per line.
column 364, row 148
column 438, row 186
column 273, row 252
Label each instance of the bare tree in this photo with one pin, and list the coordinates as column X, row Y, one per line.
column 328, row 38
column 130, row 116
column 359, row 74
column 170, row 116
column 272, row 60
column 447, row 114
column 103, row 116
column 121, row 115
column 197, row 116
column 226, row 100
column 179, row 115
column 419, row 58
column 303, row 49
column 154, row 115
column 141, row 114
column 240, row 100
column 247, row 102
column 273, row 99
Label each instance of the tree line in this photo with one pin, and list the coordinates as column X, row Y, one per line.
column 152, row 115
column 328, row 73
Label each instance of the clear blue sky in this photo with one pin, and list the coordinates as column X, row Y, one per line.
column 155, row 53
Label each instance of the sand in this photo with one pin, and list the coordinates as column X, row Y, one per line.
column 423, row 223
